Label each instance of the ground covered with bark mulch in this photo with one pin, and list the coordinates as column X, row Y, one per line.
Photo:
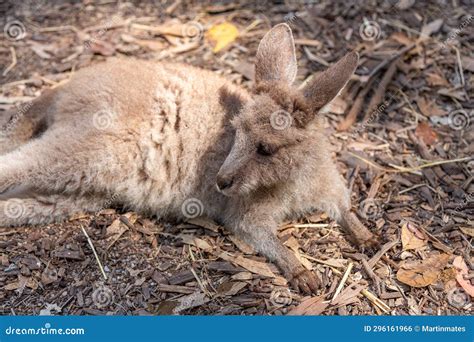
column 401, row 131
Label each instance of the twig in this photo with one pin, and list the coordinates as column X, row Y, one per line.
column 372, row 275
column 200, row 283
column 458, row 57
column 343, row 281
column 430, row 164
column 384, row 249
column 376, row 301
column 382, row 64
column 399, row 169
column 95, row 253
column 425, row 154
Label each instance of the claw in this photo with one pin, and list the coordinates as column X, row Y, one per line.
column 305, row 281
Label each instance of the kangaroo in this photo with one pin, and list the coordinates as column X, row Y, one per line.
column 176, row 141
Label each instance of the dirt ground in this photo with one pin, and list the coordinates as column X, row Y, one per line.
column 401, row 131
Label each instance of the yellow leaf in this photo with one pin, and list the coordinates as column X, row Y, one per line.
column 222, row 35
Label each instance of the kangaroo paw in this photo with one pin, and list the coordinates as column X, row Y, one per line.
column 358, row 232
column 304, row 280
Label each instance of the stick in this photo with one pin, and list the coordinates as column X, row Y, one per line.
column 400, row 169
column 385, row 248
column 372, row 275
column 343, row 281
column 376, row 301
column 95, row 253
column 386, row 61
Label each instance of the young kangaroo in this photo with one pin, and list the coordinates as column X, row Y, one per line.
column 175, row 141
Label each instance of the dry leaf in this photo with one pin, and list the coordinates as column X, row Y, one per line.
column 241, row 245
column 427, row 134
column 422, row 273
column 467, row 230
column 253, row 266
column 242, row 276
column 222, row 35
column 429, row 108
column 461, row 271
column 12, row 286
column 311, row 306
column 204, row 222
column 230, row 288
column 402, row 38
column 412, row 238
column 436, row 80
column 468, row 63
column 430, row 28
column 457, row 94
column 195, row 241
column 349, row 295
column 116, row 229
column 49, row 275
column 169, row 307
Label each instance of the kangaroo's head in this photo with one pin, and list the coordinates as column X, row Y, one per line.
column 272, row 131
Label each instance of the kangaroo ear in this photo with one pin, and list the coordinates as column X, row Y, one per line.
column 276, row 57
column 326, row 86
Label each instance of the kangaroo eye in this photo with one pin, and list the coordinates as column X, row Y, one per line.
column 264, row 150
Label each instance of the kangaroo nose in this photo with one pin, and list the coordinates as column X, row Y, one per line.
column 224, row 182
